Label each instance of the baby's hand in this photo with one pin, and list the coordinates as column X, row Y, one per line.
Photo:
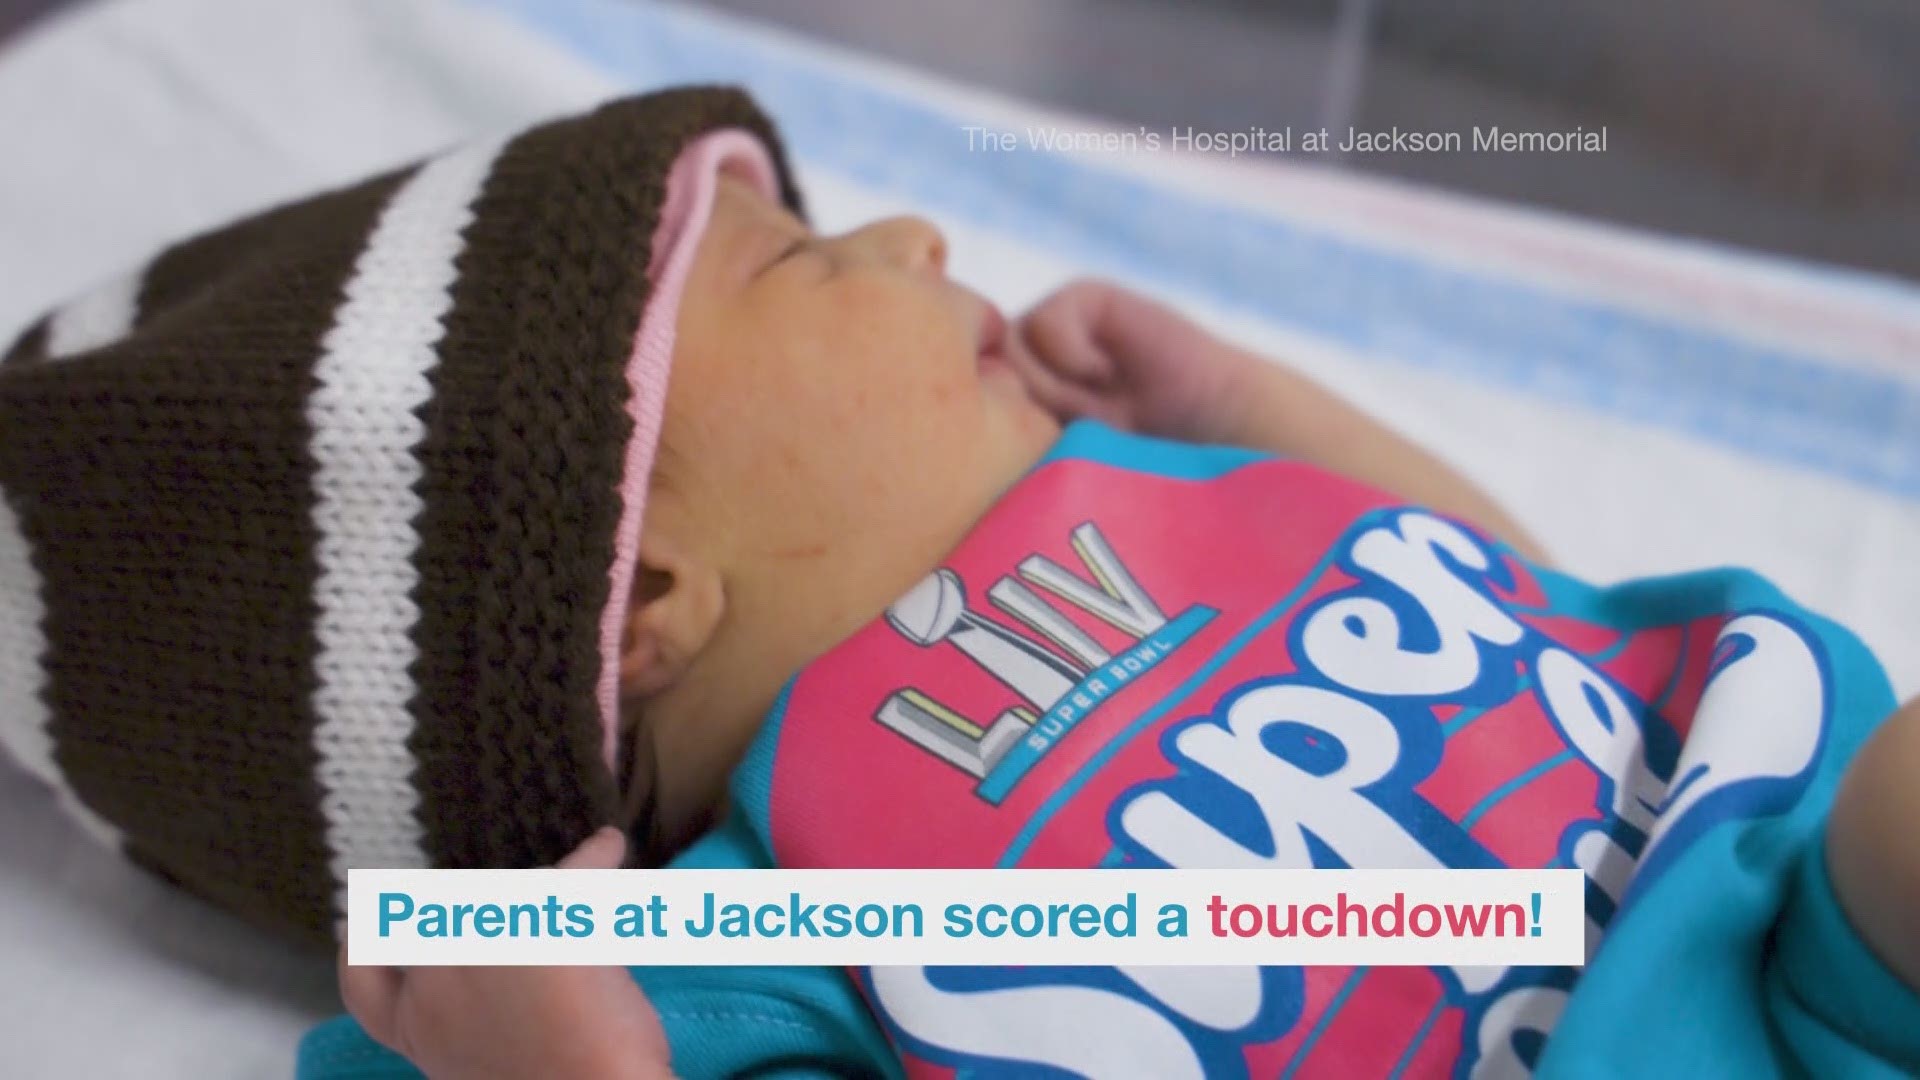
column 1096, row 350
column 463, row 1022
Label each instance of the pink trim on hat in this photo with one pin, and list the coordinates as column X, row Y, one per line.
column 683, row 220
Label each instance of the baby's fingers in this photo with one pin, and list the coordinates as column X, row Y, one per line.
column 1062, row 332
column 372, row 995
column 1064, row 399
column 604, row 850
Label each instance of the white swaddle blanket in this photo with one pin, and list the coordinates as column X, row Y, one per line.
column 1641, row 405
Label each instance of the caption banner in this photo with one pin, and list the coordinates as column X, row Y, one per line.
column 966, row 917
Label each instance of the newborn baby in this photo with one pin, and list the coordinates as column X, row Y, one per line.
column 847, row 593
column 857, row 449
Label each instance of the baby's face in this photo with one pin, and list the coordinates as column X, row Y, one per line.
column 839, row 415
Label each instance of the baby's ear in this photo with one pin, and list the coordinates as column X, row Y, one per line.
column 677, row 603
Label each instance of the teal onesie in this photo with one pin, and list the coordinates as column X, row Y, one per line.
column 1151, row 654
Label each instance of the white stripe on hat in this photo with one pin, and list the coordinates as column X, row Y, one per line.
column 23, row 646
column 98, row 318
column 371, row 376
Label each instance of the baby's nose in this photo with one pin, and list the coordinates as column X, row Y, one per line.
column 913, row 243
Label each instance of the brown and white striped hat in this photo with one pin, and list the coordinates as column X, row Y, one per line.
column 317, row 531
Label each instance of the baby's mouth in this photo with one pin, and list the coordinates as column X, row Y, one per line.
column 993, row 338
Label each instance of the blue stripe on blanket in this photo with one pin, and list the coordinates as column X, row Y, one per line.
column 1765, row 400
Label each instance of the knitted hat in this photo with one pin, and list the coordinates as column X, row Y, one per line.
column 317, row 531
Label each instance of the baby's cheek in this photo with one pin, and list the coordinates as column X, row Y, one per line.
column 895, row 383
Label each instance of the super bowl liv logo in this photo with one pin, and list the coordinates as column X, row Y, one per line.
column 1058, row 673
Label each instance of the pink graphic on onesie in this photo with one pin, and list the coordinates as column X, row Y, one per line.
column 1125, row 669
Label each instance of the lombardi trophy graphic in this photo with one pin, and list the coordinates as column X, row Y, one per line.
column 935, row 612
